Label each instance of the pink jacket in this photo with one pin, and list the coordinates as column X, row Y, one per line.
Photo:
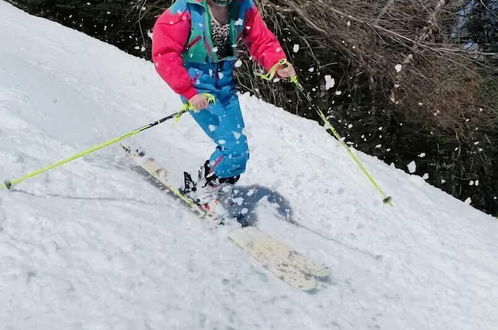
column 174, row 28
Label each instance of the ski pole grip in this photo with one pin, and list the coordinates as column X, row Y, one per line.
column 294, row 79
column 273, row 70
column 210, row 97
column 283, row 63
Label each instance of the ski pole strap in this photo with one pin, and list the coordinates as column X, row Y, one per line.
column 8, row 184
column 273, row 70
column 210, row 97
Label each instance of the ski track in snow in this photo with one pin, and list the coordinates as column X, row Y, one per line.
column 92, row 245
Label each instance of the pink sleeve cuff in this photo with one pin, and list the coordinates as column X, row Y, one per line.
column 190, row 93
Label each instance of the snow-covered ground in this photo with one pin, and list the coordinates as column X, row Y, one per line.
column 93, row 245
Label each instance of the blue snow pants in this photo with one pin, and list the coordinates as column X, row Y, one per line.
column 221, row 121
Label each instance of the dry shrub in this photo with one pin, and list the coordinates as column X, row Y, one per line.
column 396, row 68
column 438, row 82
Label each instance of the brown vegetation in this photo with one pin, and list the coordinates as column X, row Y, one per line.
column 396, row 68
column 438, row 82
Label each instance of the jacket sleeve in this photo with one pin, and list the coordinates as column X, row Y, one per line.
column 261, row 42
column 170, row 35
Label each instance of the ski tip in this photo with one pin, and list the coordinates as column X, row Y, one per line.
column 133, row 152
column 309, row 287
column 322, row 273
column 126, row 148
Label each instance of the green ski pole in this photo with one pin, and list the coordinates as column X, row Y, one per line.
column 271, row 74
column 8, row 184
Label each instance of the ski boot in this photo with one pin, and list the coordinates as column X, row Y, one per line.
column 209, row 191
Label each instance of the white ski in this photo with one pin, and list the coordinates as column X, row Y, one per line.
column 159, row 173
column 285, row 263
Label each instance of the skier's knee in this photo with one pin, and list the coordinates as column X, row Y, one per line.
column 233, row 159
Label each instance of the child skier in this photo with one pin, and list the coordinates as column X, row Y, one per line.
column 194, row 51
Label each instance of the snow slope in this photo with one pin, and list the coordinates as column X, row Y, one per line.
column 93, row 245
